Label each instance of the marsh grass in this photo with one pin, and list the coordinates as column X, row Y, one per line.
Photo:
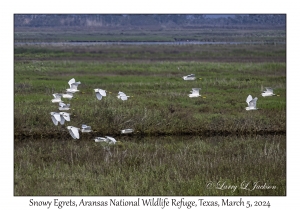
column 179, row 144
column 149, row 166
column 160, row 102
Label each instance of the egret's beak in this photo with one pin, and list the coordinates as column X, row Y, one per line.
column 278, row 95
column 200, row 78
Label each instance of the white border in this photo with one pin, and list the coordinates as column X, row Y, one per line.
column 8, row 201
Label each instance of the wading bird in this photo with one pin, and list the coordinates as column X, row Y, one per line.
column 57, row 98
column 195, row 92
column 64, row 116
column 73, row 86
column 63, row 106
column 110, row 140
column 100, row 93
column 100, row 139
column 68, row 95
column 268, row 92
column 251, row 103
column 74, row 132
column 127, row 131
column 55, row 117
column 189, row 77
column 122, row 96
column 86, row 129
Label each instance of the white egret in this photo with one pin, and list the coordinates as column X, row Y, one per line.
column 57, row 98
column 100, row 93
column 68, row 95
column 127, row 131
column 86, row 129
column 195, row 92
column 110, row 140
column 268, row 92
column 122, row 96
column 55, row 117
column 251, row 103
column 63, row 106
column 100, row 139
column 74, row 132
column 73, row 86
column 64, row 116
column 189, row 77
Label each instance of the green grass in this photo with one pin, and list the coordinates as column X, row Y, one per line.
column 157, row 88
column 161, row 166
column 180, row 144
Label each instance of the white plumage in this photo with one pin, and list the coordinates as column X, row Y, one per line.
column 127, row 131
column 86, row 129
column 74, row 132
column 68, row 95
column 73, row 86
column 55, row 117
column 57, row 98
column 189, row 77
column 110, row 140
column 100, row 93
column 63, row 106
column 122, row 96
column 195, row 92
column 59, row 117
column 268, row 92
column 100, row 139
column 251, row 103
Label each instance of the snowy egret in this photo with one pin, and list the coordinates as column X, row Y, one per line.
column 64, row 116
column 55, row 117
column 100, row 93
column 122, row 96
column 74, row 132
column 110, row 140
column 189, row 77
column 127, row 131
column 195, row 92
column 100, row 139
column 86, row 129
column 63, row 106
column 268, row 92
column 68, row 95
column 57, row 98
column 251, row 103
column 73, row 86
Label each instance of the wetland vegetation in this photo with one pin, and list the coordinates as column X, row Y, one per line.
column 180, row 144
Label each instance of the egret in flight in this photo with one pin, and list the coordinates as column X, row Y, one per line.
column 251, row 103
column 57, row 98
column 268, row 92
column 100, row 139
column 122, row 96
column 127, row 131
column 100, row 93
column 189, row 77
column 73, row 86
column 195, row 92
column 63, row 106
column 74, row 132
column 86, row 129
column 110, row 140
